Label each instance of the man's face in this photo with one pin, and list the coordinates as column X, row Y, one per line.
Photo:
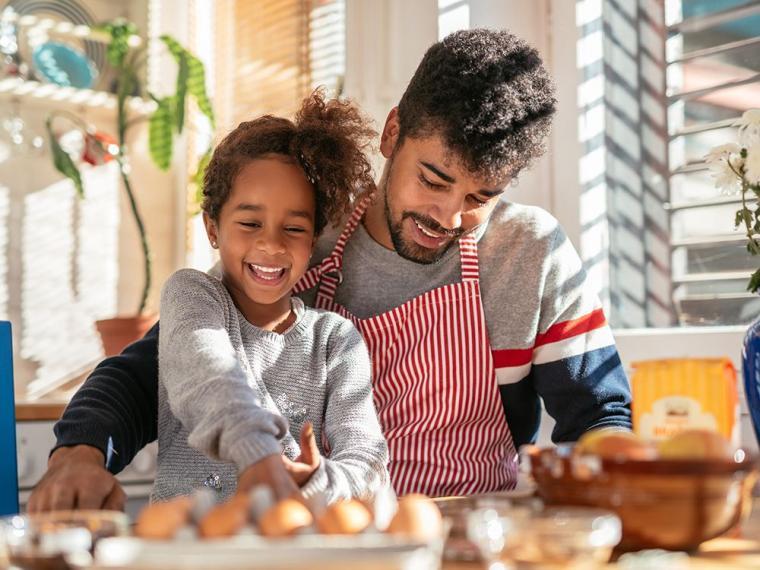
column 431, row 199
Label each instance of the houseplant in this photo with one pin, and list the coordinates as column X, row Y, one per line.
column 736, row 168
column 128, row 58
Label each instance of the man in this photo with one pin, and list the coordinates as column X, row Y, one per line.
column 472, row 308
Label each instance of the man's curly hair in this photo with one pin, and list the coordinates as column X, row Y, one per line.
column 328, row 139
column 488, row 95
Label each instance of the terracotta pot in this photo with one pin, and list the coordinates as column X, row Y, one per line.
column 119, row 332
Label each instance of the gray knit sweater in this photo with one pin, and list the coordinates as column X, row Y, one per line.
column 231, row 394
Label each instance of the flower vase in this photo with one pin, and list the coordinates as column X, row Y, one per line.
column 751, row 370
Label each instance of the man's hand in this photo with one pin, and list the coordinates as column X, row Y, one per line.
column 76, row 478
column 271, row 472
column 308, row 462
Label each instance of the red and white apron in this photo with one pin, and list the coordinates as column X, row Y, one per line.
column 434, row 382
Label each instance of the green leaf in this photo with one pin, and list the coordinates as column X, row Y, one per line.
column 747, row 216
column 181, row 91
column 198, row 179
column 160, row 132
column 196, row 76
column 200, row 172
column 119, row 30
column 738, row 218
column 754, row 282
column 62, row 161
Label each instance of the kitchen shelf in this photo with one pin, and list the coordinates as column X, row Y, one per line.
column 51, row 96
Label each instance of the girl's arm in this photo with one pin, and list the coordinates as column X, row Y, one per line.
column 358, row 453
column 205, row 384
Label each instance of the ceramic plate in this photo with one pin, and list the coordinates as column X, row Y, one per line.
column 64, row 65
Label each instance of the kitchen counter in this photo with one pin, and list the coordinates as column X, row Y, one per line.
column 48, row 410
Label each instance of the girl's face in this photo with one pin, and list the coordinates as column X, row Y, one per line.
column 265, row 234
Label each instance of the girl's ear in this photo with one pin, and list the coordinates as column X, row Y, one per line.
column 211, row 230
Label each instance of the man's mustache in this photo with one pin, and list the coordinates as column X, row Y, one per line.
column 432, row 225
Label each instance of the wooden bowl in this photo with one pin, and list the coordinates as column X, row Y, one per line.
column 671, row 504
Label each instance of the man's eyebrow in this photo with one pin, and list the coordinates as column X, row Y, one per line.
column 438, row 173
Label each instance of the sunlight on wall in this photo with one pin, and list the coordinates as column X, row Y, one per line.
column 69, row 276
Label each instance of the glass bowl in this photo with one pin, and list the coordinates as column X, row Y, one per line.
column 56, row 540
column 552, row 537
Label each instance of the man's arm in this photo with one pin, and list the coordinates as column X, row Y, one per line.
column 576, row 368
column 118, row 402
column 110, row 418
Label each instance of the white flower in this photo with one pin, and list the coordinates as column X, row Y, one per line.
column 749, row 128
column 752, row 165
column 720, row 161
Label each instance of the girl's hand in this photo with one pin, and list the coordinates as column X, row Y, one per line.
column 271, row 472
column 308, row 462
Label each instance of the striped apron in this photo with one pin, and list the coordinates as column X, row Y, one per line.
column 434, row 381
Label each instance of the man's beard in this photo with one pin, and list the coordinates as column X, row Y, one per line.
column 410, row 250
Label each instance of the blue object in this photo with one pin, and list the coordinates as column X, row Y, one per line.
column 8, row 470
column 751, row 371
column 63, row 65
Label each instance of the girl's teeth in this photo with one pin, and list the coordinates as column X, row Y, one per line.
column 267, row 272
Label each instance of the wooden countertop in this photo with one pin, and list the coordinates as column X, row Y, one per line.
column 47, row 410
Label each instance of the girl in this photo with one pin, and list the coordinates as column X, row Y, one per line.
column 251, row 380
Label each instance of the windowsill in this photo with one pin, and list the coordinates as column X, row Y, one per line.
column 680, row 342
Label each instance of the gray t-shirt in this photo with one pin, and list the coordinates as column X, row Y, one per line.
column 231, row 393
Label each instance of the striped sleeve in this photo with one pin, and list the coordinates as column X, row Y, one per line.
column 573, row 364
column 576, row 367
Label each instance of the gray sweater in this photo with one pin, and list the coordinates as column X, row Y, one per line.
column 231, row 394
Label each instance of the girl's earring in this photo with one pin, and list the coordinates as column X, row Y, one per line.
column 213, row 244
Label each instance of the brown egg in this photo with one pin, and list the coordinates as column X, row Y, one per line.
column 615, row 444
column 226, row 519
column 696, row 444
column 161, row 521
column 417, row 517
column 344, row 517
column 285, row 519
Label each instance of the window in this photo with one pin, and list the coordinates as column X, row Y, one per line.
column 663, row 82
column 264, row 56
column 271, row 54
column 713, row 75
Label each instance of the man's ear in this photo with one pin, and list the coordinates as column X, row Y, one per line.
column 211, row 230
column 390, row 134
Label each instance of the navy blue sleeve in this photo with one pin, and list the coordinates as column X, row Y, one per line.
column 583, row 392
column 117, row 406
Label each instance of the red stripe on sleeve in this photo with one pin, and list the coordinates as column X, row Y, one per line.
column 513, row 357
column 567, row 329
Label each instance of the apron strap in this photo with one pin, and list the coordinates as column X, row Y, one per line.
column 468, row 254
column 330, row 268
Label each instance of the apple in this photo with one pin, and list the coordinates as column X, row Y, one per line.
column 696, row 444
column 615, row 444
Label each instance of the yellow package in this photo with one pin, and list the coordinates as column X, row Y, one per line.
column 672, row 395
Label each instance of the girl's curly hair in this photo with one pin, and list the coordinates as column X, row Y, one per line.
column 328, row 139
